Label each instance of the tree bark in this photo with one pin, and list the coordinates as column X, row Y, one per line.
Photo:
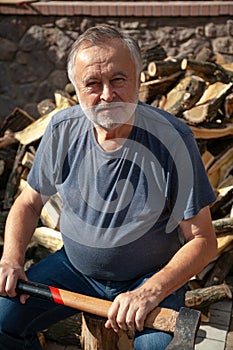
column 96, row 337
column 199, row 298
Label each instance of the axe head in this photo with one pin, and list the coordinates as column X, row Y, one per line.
column 187, row 325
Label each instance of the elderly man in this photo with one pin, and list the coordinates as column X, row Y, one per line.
column 135, row 215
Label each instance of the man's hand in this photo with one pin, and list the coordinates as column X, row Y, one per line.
column 129, row 310
column 9, row 274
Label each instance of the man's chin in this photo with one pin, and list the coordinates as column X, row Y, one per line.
column 108, row 126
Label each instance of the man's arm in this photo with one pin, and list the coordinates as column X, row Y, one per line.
column 20, row 225
column 130, row 309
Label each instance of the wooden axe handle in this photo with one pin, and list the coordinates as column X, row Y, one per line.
column 160, row 318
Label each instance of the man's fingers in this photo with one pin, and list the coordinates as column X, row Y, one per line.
column 140, row 317
column 112, row 314
column 23, row 298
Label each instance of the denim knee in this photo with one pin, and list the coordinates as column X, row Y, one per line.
column 150, row 339
column 12, row 327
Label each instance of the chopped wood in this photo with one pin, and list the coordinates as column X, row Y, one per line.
column 221, row 269
column 145, row 76
column 223, row 225
column 224, row 242
column 28, row 160
column 48, row 238
column 16, row 121
column 207, row 159
column 208, row 105
column 201, row 132
column 50, row 215
column 67, row 331
column 14, row 179
column 221, row 168
column 228, row 106
column 7, row 139
column 95, row 336
column 184, row 95
column 163, row 68
column 152, row 52
column 221, row 207
column 152, row 88
column 35, row 130
column 209, row 71
column 199, row 298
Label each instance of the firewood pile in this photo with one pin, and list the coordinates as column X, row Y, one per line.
column 197, row 90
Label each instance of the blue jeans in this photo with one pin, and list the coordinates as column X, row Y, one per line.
column 19, row 323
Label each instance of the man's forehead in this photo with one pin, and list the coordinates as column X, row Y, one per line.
column 115, row 46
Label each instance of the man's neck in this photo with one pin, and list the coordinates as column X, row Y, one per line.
column 111, row 140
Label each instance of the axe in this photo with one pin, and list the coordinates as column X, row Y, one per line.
column 183, row 324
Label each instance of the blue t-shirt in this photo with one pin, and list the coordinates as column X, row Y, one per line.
column 121, row 210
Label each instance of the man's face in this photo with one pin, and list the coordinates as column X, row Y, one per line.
column 106, row 82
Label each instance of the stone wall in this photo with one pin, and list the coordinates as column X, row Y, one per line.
column 34, row 48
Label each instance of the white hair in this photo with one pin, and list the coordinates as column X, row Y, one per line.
column 98, row 36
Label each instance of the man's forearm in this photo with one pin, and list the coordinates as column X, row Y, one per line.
column 187, row 262
column 20, row 225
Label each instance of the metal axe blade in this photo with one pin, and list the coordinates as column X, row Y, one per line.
column 187, row 325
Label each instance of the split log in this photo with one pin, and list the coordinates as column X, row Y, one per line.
column 223, row 225
column 228, row 106
column 48, row 238
column 184, row 95
column 95, row 336
column 28, row 160
column 221, row 168
column 35, row 130
column 207, row 107
column 66, row 332
column 207, row 159
column 7, row 139
column 201, row 132
column 16, row 121
column 209, row 71
column 221, row 269
column 152, row 88
column 225, row 242
column 163, row 68
column 50, row 215
column 222, row 206
column 202, row 297
column 14, row 179
column 152, row 52
column 145, row 77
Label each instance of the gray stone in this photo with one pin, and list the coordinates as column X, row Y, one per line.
column 223, row 45
column 34, row 39
column 230, row 27
column 210, row 30
column 8, row 49
column 58, row 79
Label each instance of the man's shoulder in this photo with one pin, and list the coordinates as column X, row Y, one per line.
column 69, row 114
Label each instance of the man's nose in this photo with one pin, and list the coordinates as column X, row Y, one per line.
column 107, row 92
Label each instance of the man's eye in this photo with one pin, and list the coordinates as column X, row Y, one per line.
column 92, row 84
column 117, row 81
